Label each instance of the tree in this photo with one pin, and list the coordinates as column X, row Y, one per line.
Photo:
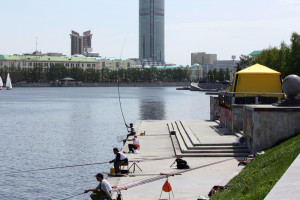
column 245, row 61
column 227, row 74
column 294, row 58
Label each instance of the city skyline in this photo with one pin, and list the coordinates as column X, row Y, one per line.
column 217, row 27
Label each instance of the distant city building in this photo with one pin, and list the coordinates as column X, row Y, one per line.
column 224, row 64
column 81, row 61
column 81, row 44
column 151, row 32
column 53, row 54
column 46, row 61
column 203, row 58
column 166, row 66
column 39, row 53
column 254, row 54
column 115, row 63
column 147, row 63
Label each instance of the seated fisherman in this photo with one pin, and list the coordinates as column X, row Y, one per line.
column 120, row 160
column 135, row 144
column 102, row 191
column 131, row 131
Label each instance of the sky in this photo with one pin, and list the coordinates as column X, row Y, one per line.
column 222, row 27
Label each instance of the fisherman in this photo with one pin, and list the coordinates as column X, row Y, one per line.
column 102, row 191
column 120, row 160
column 131, row 131
column 135, row 144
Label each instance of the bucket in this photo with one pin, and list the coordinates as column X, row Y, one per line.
column 112, row 171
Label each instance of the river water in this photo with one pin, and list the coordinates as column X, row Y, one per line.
column 50, row 127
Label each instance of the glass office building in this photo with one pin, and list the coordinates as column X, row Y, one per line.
column 152, row 30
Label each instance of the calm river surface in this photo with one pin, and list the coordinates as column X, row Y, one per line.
column 50, row 127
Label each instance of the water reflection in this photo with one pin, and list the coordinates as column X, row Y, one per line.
column 152, row 109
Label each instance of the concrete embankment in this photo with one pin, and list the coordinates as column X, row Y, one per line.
column 104, row 84
column 156, row 155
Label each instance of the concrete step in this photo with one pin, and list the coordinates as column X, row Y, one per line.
column 216, row 147
column 237, row 155
column 181, row 143
column 186, row 149
column 218, row 144
column 218, row 151
column 183, row 134
column 176, row 147
column 194, row 140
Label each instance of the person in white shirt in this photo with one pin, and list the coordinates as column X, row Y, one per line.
column 120, row 160
column 102, row 191
column 135, row 144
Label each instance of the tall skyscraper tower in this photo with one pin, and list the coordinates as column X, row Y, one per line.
column 81, row 44
column 152, row 30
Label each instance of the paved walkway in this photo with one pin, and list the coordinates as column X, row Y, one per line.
column 210, row 132
column 288, row 185
column 156, row 144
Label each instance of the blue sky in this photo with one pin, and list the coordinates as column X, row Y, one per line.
column 231, row 27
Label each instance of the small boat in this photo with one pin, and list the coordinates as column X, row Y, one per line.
column 8, row 84
column 1, row 83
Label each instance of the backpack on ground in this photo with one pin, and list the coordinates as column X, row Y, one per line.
column 181, row 164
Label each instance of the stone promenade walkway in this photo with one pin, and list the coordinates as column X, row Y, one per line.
column 157, row 145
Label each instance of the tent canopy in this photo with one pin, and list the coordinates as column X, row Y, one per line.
column 257, row 79
column 258, row 69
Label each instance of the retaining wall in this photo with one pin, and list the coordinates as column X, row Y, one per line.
column 264, row 125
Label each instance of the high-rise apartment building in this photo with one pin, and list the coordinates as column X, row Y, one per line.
column 152, row 30
column 81, row 44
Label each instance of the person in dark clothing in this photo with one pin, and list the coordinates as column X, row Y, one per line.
column 120, row 160
column 131, row 131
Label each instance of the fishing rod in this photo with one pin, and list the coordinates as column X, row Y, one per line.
column 51, row 168
column 119, row 85
column 161, row 176
column 72, row 196
column 80, row 165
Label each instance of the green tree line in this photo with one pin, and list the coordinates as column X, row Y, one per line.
column 57, row 72
column 218, row 75
column 285, row 58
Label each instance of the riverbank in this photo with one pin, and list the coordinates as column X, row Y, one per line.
column 103, row 84
column 156, row 156
column 264, row 172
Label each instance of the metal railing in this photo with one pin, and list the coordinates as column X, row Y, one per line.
column 226, row 99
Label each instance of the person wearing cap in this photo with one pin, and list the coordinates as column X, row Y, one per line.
column 131, row 131
column 102, row 191
column 120, row 160
column 135, row 144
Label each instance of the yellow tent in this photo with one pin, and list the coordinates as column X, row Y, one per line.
column 257, row 79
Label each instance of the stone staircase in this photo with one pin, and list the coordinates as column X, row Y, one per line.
column 187, row 144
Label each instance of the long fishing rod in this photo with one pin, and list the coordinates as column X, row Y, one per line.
column 119, row 85
column 161, row 176
column 98, row 163
column 51, row 168
column 72, row 196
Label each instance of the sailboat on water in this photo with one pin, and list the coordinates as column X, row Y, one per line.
column 8, row 84
column 1, row 83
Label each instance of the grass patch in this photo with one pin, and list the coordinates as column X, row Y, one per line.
column 257, row 179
